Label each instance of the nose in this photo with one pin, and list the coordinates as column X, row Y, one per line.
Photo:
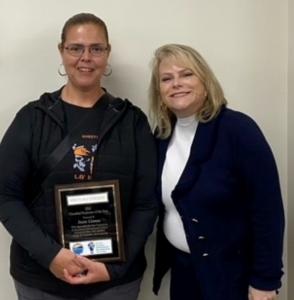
column 86, row 55
column 177, row 82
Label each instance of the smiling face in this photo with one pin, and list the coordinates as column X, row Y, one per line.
column 85, row 71
column 180, row 89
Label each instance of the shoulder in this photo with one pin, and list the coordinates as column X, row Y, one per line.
column 238, row 123
column 30, row 111
column 127, row 106
column 231, row 117
column 137, row 111
column 25, row 113
column 242, row 130
column 45, row 101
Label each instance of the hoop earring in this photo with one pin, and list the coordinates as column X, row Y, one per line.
column 61, row 66
column 108, row 70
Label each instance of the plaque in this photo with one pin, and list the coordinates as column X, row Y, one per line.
column 89, row 219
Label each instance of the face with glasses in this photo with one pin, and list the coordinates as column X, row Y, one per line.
column 84, row 55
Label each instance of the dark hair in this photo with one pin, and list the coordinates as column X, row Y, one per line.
column 82, row 18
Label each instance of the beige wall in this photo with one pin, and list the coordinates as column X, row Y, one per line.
column 291, row 153
column 245, row 42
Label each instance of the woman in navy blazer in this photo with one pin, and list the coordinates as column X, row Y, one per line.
column 221, row 220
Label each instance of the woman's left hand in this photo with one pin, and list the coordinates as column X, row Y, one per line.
column 254, row 294
column 96, row 272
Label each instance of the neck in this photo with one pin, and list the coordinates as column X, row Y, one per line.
column 82, row 98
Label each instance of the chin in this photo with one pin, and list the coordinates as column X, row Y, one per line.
column 87, row 87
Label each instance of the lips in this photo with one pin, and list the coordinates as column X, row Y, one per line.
column 179, row 94
column 85, row 69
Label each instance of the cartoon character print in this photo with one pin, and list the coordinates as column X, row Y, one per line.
column 84, row 158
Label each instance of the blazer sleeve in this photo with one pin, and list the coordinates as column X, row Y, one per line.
column 144, row 211
column 16, row 169
column 258, row 169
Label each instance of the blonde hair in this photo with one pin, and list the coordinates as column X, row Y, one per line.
column 160, row 115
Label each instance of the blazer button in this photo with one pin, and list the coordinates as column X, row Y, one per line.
column 205, row 254
column 195, row 220
column 201, row 237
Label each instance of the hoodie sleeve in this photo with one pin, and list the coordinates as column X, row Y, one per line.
column 142, row 218
column 16, row 169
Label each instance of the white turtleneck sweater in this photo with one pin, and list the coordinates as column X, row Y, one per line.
column 176, row 158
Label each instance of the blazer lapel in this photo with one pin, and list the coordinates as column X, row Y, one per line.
column 201, row 150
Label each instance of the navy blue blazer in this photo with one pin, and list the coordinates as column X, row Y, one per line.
column 229, row 199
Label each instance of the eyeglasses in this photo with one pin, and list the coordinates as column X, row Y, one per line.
column 77, row 49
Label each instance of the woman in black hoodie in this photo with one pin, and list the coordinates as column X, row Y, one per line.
column 112, row 142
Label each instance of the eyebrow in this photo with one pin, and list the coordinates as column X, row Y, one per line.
column 94, row 44
column 179, row 71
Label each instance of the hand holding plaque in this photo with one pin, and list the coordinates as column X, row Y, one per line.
column 89, row 219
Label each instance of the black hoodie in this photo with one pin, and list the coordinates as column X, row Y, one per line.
column 125, row 152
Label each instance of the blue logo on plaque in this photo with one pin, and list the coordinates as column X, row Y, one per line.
column 78, row 248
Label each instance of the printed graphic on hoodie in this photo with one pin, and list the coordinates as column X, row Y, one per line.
column 84, row 156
